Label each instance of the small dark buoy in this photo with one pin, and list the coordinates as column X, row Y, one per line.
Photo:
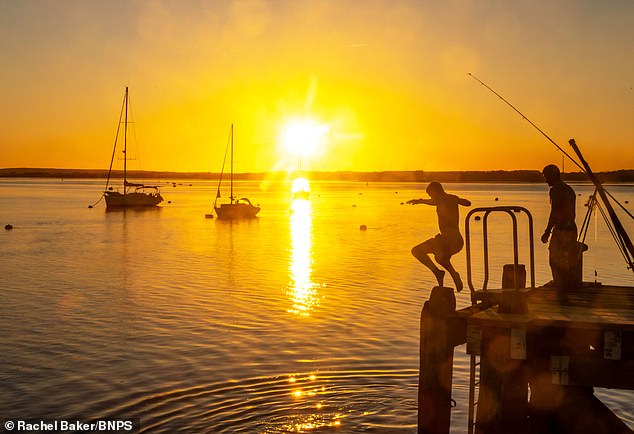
column 8, row 227
column 496, row 199
column 89, row 206
column 169, row 201
column 363, row 227
column 209, row 216
column 627, row 201
column 396, row 192
column 477, row 218
column 402, row 203
column 360, row 194
column 354, row 205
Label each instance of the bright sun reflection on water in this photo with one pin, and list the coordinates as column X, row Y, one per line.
column 302, row 290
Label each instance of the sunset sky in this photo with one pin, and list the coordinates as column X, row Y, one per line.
column 386, row 79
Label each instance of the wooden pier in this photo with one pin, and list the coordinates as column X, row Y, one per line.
column 536, row 368
column 534, row 359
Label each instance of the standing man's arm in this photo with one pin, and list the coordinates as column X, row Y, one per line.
column 552, row 218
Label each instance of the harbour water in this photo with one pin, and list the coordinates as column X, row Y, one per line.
column 297, row 321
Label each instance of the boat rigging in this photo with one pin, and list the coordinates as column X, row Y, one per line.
column 133, row 195
column 236, row 209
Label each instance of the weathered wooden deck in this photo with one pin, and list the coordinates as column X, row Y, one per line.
column 593, row 306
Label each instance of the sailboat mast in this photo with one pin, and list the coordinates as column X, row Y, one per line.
column 125, row 143
column 231, row 194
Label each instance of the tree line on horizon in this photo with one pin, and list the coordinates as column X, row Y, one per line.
column 626, row 175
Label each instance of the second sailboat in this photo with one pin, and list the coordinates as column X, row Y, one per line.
column 236, row 209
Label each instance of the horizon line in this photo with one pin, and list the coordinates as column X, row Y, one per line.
column 497, row 175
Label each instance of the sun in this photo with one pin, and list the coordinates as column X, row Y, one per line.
column 303, row 137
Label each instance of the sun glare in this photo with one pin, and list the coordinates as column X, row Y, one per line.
column 300, row 185
column 303, row 137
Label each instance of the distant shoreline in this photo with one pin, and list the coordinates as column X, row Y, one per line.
column 528, row 176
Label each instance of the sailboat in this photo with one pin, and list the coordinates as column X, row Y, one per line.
column 236, row 209
column 133, row 195
column 301, row 187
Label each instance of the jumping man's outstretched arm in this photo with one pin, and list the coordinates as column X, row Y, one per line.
column 464, row 202
column 424, row 201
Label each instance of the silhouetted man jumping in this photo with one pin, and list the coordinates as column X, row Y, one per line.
column 449, row 241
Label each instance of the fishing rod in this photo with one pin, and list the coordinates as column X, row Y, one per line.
column 549, row 139
column 622, row 239
column 527, row 120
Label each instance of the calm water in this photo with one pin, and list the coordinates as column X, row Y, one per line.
column 296, row 321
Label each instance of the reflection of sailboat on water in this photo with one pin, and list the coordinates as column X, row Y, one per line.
column 134, row 195
column 237, row 208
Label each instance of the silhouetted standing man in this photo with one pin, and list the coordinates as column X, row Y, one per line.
column 449, row 241
column 563, row 249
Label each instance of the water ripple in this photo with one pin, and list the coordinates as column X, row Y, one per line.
column 301, row 401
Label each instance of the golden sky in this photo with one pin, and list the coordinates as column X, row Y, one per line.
column 387, row 77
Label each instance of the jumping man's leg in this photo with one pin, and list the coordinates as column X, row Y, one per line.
column 445, row 261
column 421, row 252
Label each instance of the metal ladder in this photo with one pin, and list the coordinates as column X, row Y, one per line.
column 473, row 334
column 474, row 386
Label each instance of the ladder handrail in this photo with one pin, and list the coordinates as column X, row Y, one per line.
column 510, row 210
column 473, row 366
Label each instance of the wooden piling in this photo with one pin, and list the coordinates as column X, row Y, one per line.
column 436, row 362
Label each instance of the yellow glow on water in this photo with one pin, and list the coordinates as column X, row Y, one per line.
column 302, row 290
